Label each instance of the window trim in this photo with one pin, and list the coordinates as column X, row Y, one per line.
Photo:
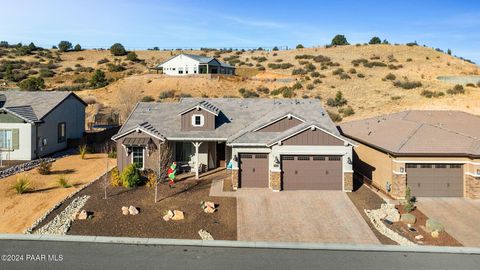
column 64, row 138
column 202, row 120
column 143, row 157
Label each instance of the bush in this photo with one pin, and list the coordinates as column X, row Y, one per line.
column 279, row 65
column 64, row 46
column 62, row 181
column 339, row 40
column 317, row 81
column 338, row 71
column 359, row 61
column 245, row 93
column 32, row 84
column 80, row 80
column 151, row 178
column 390, row 77
column 44, row 167
column 344, row 76
column 457, row 89
column 132, row 56
column 117, row 49
column 407, row 84
column 77, row 48
column 334, row 116
column 22, row 185
column 310, row 86
column 299, row 71
column 375, row 40
column 98, row 79
column 430, row 94
column 352, row 71
column 115, row 68
column 115, row 179
column 360, row 75
column 338, row 101
column 346, row 111
column 44, row 73
column 299, row 46
column 304, row 56
column 263, row 89
column 322, row 59
column 275, row 48
column 310, row 67
column 82, row 150
column 315, row 74
column 297, row 85
column 103, row 61
column 374, row 64
column 167, row 94
column 130, row 176
column 147, row 99
column 409, row 205
column 288, row 93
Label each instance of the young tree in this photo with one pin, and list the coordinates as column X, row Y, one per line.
column 132, row 56
column 117, row 49
column 32, row 46
column 32, row 84
column 385, row 42
column 449, row 52
column 64, row 46
column 275, row 48
column 126, row 98
column 299, row 46
column 375, row 40
column 98, row 79
column 77, row 48
column 339, row 40
column 409, row 200
column 164, row 159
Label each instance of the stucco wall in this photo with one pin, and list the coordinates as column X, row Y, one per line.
column 374, row 164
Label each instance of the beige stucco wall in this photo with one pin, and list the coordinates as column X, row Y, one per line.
column 373, row 164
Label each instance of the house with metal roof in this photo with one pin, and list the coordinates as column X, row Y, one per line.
column 36, row 124
column 281, row 144
column 435, row 153
column 191, row 64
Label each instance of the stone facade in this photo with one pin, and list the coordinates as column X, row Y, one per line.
column 399, row 185
column 235, row 179
column 472, row 187
column 348, row 181
column 275, row 181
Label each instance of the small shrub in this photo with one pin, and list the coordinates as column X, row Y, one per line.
column 62, row 181
column 430, row 94
column 44, row 167
column 80, row 58
column 338, row 71
column 103, row 61
column 98, row 79
column 279, row 65
column 457, row 89
column 352, row 71
column 344, row 76
column 317, row 81
column 409, row 205
column 245, row 93
column 263, row 89
column 115, row 179
column 315, row 74
column 44, row 73
column 322, row 59
column 115, row 68
column 409, row 60
column 167, row 94
column 346, row 111
column 310, row 86
column 117, row 49
column 299, row 71
column 80, row 80
column 390, row 77
column 132, row 56
column 22, row 185
column 130, row 176
column 407, row 84
column 334, row 116
column 83, row 151
column 395, row 97
column 288, row 93
column 32, row 84
column 338, row 101
column 151, row 178
column 297, row 86
column 360, row 75
column 147, row 99
column 470, row 85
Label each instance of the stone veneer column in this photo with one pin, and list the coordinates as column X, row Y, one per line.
column 348, row 181
column 235, row 179
column 472, row 187
column 399, row 186
column 275, row 180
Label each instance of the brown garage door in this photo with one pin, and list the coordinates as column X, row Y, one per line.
column 312, row 172
column 435, row 180
column 254, row 170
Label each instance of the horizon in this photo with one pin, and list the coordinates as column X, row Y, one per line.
column 186, row 24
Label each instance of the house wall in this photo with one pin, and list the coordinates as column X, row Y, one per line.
column 209, row 120
column 26, row 139
column 281, row 125
column 151, row 160
column 72, row 112
column 181, row 61
column 373, row 164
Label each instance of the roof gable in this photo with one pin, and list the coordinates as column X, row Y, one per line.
column 309, row 139
column 280, row 124
column 207, row 106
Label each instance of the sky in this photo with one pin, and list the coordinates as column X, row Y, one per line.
column 144, row 24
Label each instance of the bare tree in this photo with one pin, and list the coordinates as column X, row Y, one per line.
column 164, row 159
column 126, row 99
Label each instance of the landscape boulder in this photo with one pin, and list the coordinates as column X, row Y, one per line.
column 168, row 215
column 83, row 215
column 433, row 225
column 133, row 210
column 408, row 218
column 205, row 235
column 208, row 207
column 389, row 212
column 209, row 210
column 125, row 210
column 419, row 237
column 435, row 234
column 178, row 215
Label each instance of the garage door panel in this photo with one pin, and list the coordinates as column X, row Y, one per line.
column 435, row 180
column 311, row 173
column 254, row 170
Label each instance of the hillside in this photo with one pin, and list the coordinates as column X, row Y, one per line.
column 359, row 72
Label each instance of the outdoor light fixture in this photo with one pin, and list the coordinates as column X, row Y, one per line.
column 235, row 158
column 349, row 160
column 276, row 160
column 402, row 169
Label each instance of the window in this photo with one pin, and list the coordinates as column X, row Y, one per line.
column 6, row 139
column 198, row 120
column 62, row 132
column 303, row 158
column 180, row 70
column 195, row 70
column 334, row 158
column 137, row 156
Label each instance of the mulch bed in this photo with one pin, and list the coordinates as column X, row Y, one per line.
column 184, row 196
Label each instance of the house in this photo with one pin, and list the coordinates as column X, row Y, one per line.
column 188, row 64
column 35, row 124
column 278, row 144
column 435, row 153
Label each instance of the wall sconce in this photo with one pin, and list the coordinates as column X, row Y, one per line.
column 402, row 169
column 349, row 160
column 235, row 158
column 276, row 160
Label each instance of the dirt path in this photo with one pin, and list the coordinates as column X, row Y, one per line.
column 18, row 212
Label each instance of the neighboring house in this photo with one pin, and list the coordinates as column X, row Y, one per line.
column 188, row 64
column 435, row 153
column 35, row 124
column 277, row 144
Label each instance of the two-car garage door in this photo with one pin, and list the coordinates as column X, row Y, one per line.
column 435, row 180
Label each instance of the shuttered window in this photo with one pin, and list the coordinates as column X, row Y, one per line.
column 9, row 139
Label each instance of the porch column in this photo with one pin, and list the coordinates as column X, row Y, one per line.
column 196, row 145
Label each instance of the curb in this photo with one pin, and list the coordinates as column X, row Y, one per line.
column 238, row 244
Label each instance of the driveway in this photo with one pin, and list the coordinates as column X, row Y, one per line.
column 300, row 216
column 461, row 217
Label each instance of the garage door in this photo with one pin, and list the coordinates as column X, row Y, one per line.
column 312, row 172
column 435, row 180
column 254, row 170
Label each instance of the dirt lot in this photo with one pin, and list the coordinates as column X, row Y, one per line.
column 185, row 196
column 18, row 212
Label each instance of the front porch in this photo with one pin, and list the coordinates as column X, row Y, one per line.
column 199, row 156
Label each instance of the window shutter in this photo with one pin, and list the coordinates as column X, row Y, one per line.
column 15, row 139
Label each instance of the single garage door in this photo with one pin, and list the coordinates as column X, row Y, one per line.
column 435, row 180
column 301, row 172
column 254, row 170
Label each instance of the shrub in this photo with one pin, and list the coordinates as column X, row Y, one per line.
column 22, row 185
column 130, row 176
column 275, row 48
column 83, row 150
column 304, row 56
column 263, row 89
column 339, row 40
column 321, row 59
column 374, row 64
column 245, row 93
column 310, row 67
column 68, row 69
column 375, row 40
column 44, row 73
column 299, row 71
column 132, row 56
column 310, row 86
column 344, row 76
column 407, row 84
column 470, row 85
column 288, row 93
column 338, row 101
column 279, row 65
column 457, row 89
column 409, row 205
column 317, row 81
column 430, row 94
column 115, row 179
column 334, row 116
column 147, row 99
column 77, row 48
column 80, row 80
column 409, row 60
column 346, row 111
column 394, row 67
column 359, row 61
column 98, row 79
column 44, row 167
column 103, row 61
column 360, row 75
column 315, row 74
column 299, row 46
column 117, row 49
column 167, row 94
column 62, row 181
column 115, row 68
column 390, row 77
column 64, row 46
column 352, row 71
column 32, row 84
column 338, row 71
column 151, row 178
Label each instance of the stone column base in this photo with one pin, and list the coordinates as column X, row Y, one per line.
column 275, row 181
column 399, row 185
column 472, row 187
column 235, row 179
column 348, row 181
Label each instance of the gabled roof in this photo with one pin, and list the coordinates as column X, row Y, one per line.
column 200, row 59
column 145, row 127
column 33, row 106
column 202, row 104
column 418, row 132
column 273, row 119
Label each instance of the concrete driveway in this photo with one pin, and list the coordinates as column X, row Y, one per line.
column 461, row 217
column 300, row 216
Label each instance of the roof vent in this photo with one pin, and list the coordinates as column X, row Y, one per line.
column 3, row 100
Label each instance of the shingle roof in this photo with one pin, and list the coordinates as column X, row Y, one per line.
column 238, row 118
column 419, row 132
column 33, row 106
column 202, row 104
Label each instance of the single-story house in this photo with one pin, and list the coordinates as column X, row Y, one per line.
column 188, row 64
column 35, row 124
column 435, row 153
column 281, row 144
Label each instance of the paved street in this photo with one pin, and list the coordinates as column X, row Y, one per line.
column 84, row 255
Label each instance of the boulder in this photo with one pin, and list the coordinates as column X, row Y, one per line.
column 133, row 210
column 210, row 204
column 83, row 215
column 125, row 210
column 435, row 234
column 408, row 218
column 178, row 215
column 168, row 215
column 419, row 237
column 433, row 225
column 205, row 235
column 389, row 212
column 209, row 210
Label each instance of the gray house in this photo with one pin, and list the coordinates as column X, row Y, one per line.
column 278, row 144
column 35, row 124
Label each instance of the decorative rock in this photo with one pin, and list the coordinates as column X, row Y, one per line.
column 168, row 216
column 83, row 215
column 205, row 235
column 376, row 217
column 209, row 210
column 178, row 215
column 210, row 204
column 435, row 234
column 408, row 218
column 133, row 210
column 433, row 225
column 125, row 210
column 419, row 237
column 389, row 212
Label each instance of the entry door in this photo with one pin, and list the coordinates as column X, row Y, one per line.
column 253, row 170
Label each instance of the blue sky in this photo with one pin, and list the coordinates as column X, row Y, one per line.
column 143, row 23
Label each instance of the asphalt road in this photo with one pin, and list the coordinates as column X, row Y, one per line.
column 82, row 255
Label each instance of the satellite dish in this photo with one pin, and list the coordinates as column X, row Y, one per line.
column 3, row 99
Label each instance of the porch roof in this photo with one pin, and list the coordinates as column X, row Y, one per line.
column 136, row 141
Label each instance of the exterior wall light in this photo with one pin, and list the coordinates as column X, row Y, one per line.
column 402, row 169
column 235, row 158
column 349, row 160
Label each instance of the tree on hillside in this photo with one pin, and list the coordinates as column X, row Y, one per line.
column 339, row 40
column 64, row 46
column 32, row 84
column 77, row 48
column 4, row 44
column 117, row 49
column 32, row 46
column 132, row 56
column 299, row 46
column 385, row 42
column 449, row 52
column 98, row 79
column 375, row 40
column 275, row 48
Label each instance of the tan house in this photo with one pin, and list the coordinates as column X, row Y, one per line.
column 435, row 153
column 277, row 144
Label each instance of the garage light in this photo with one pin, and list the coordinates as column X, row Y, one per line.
column 349, row 160
column 276, row 160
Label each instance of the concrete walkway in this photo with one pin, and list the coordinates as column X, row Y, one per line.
column 461, row 217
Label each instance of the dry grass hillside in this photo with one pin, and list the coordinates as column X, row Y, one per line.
column 374, row 79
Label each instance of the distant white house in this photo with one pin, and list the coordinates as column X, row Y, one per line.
column 188, row 64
